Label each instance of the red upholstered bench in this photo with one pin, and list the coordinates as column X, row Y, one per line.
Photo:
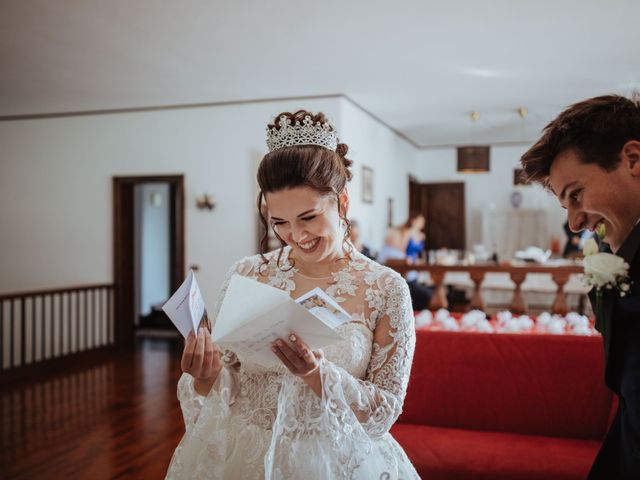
column 504, row 406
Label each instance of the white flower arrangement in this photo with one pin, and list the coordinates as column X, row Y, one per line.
column 604, row 270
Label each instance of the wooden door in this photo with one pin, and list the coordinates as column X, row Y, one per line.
column 443, row 206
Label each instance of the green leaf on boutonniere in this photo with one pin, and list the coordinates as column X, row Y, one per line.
column 599, row 311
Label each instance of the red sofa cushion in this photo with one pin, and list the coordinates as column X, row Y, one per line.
column 528, row 384
column 451, row 454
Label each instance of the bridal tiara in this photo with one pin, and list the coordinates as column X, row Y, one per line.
column 305, row 133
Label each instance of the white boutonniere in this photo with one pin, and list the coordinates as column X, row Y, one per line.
column 604, row 271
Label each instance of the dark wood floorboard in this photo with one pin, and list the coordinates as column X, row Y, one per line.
column 114, row 418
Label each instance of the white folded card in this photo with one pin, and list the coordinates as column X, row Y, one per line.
column 254, row 314
column 186, row 307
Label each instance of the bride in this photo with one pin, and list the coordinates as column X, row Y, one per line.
column 319, row 414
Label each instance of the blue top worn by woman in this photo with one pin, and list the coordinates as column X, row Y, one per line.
column 414, row 248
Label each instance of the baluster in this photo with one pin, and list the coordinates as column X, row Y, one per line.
column 477, row 302
column 96, row 318
column 1, row 334
column 42, row 326
column 23, row 333
column 439, row 299
column 560, row 302
column 69, row 319
column 53, row 324
column 60, row 324
column 11, row 334
column 86, row 320
column 518, row 304
column 103, row 325
column 77, row 342
column 109, row 320
column 34, row 342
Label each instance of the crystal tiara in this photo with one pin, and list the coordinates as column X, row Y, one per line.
column 305, row 133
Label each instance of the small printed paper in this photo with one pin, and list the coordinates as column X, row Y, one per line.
column 186, row 307
column 324, row 307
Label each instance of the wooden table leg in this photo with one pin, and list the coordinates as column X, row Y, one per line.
column 560, row 305
column 477, row 302
column 518, row 304
column 439, row 299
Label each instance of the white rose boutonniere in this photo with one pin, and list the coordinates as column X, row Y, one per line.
column 604, row 271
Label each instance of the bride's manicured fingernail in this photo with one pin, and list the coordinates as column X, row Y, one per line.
column 292, row 337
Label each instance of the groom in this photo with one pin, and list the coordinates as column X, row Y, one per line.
column 589, row 157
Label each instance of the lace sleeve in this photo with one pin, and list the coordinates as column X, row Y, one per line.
column 377, row 400
column 228, row 382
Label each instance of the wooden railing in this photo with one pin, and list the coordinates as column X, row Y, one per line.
column 559, row 275
column 47, row 324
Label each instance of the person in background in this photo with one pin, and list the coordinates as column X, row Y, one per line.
column 354, row 236
column 414, row 236
column 575, row 241
column 406, row 242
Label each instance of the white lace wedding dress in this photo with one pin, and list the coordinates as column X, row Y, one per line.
column 267, row 423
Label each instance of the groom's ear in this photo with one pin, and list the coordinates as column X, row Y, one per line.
column 630, row 156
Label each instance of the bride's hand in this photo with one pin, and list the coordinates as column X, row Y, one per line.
column 298, row 358
column 201, row 358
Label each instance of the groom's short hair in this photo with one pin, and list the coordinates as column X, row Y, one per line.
column 596, row 129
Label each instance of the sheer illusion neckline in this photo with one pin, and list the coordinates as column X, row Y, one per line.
column 308, row 277
column 296, row 270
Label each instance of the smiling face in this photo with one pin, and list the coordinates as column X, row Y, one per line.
column 308, row 222
column 593, row 196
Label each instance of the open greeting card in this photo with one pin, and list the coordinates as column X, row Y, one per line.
column 186, row 307
column 254, row 314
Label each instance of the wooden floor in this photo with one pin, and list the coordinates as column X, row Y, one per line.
column 112, row 417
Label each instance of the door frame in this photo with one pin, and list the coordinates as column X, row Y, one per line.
column 123, row 247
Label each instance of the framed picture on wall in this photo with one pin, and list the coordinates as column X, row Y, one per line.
column 367, row 184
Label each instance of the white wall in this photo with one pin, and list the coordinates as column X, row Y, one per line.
column 492, row 189
column 56, row 199
column 392, row 160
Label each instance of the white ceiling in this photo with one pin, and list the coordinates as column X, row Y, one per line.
column 420, row 66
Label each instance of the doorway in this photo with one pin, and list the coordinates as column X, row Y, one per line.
column 148, row 252
column 443, row 206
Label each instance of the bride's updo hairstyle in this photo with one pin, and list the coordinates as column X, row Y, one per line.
column 303, row 165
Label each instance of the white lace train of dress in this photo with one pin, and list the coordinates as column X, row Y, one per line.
column 258, row 423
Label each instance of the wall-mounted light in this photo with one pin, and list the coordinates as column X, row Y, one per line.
column 473, row 159
column 205, row 202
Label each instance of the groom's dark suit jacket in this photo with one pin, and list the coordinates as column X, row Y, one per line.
column 619, row 456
